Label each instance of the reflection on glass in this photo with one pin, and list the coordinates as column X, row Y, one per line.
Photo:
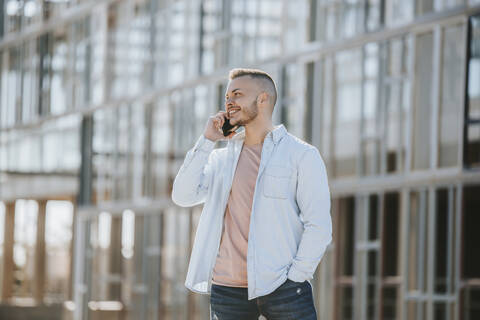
column 371, row 111
column 397, row 101
column 472, row 145
column 58, row 237
column 58, row 80
column 291, row 104
column 423, row 102
column 348, row 112
column 176, row 239
column 128, row 232
column 417, row 241
column 25, row 233
column 451, row 97
column 399, row 12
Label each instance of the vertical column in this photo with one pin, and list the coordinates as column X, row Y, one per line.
column 39, row 281
column 8, row 251
column 83, row 257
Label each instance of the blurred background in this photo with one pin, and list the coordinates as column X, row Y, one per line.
column 100, row 101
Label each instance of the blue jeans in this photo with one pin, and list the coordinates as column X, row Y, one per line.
column 291, row 301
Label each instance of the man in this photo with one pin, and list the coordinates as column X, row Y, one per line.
column 266, row 220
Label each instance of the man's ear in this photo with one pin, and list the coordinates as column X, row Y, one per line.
column 263, row 97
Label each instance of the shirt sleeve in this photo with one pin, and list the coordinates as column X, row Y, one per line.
column 191, row 184
column 313, row 198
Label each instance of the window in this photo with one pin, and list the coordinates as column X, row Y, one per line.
column 470, row 273
column 398, row 12
column 396, row 99
column 291, row 104
column 367, row 256
column 451, row 99
column 343, row 19
column 345, row 248
column 25, row 233
column 58, row 237
column 371, row 111
column 472, row 116
column 431, row 259
column 176, row 244
column 160, row 148
column 422, row 122
column 348, row 80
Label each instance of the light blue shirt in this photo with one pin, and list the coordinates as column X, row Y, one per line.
column 290, row 223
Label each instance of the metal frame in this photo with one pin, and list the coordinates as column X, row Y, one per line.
column 322, row 55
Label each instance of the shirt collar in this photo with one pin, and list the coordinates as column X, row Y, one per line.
column 276, row 134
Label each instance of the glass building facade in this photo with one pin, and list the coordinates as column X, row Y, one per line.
column 101, row 99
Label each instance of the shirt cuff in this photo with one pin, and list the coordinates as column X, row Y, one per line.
column 204, row 144
column 296, row 275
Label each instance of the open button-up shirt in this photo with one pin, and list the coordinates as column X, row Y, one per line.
column 290, row 223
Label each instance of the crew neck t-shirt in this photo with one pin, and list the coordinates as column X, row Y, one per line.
column 231, row 264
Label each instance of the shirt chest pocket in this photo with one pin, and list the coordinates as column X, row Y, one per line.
column 276, row 181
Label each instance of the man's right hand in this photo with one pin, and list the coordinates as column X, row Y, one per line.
column 213, row 129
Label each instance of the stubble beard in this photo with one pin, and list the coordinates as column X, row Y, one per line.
column 250, row 112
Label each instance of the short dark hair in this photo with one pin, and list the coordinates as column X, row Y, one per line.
column 255, row 74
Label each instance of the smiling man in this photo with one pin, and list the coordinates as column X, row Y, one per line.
column 265, row 223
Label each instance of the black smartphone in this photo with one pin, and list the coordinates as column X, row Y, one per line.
column 227, row 127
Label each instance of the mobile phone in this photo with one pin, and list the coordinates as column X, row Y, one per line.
column 227, row 127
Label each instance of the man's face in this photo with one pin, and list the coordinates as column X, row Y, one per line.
column 241, row 101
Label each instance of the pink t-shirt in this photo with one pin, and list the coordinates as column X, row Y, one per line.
column 231, row 264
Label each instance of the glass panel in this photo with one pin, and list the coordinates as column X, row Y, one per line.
column 374, row 14
column 161, row 135
column 412, row 309
column 347, row 235
column 424, row 7
column 440, row 311
column 417, row 241
column 441, row 243
column 389, row 303
column 128, row 263
column 173, row 294
column 292, row 108
column 327, row 108
column 472, row 145
column 391, row 230
column 295, row 30
column 373, row 218
column 452, row 96
column 397, row 99
column 372, row 299
column 371, row 111
column 471, row 236
column 104, row 152
column 25, row 234
column 59, row 77
column 30, row 82
column 348, row 112
column 58, row 237
column 446, row 4
column 470, row 307
column 423, row 102
column 100, row 240
column 473, row 140
column 399, row 12
column 346, row 303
